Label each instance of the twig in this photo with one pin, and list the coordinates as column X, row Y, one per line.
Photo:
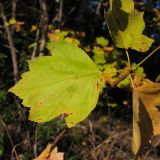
column 37, row 41
column 41, row 34
column 92, row 141
column 110, row 149
column 14, row 148
column 35, row 142
column 11, row 44
column 59, row 137
column 64, row 21
column 112, row 137
column 95, row 17
column 9, row 136
column 148, row 56
column 128, row 72
column 157, row 142
column 157, row 12
column 14, row 7
column 60, row 13
column 99, row 7
column 129, row 64
column 121, row 78
column 44, row 26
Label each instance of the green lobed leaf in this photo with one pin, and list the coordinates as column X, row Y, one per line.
column 126, row 26
column 65, row 83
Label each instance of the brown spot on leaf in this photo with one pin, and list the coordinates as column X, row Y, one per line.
column 67, row 114
column 40, row 104
column 39, row 120
column 97, row 86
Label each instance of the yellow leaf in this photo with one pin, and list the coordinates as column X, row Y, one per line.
column 72, row 41
column 50, row 154
column 108, row 49
column 55, row 155
column 12, row 21
column 53, row 37
column 88, row 49
column 34, row 28
column 146, row 115
column 57, row 31
column 18, row 26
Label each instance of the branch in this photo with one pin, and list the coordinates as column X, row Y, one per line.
column 14, row 7
column 41, row 34
column 60, row 13
column 121, row 77
column 99, row 7
column 37, row 43
column 44, row 25
column 60, row 136
column 114, row 136
column 11, row 44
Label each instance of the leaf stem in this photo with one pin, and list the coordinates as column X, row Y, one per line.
column 129, row 65
column 128, row 58
column 148, row 56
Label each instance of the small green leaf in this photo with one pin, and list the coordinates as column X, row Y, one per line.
column 126, row 26
column 72, row 41
column 61, row 33
column 102, row 41
column 125, row 83
column 139, row 71
column 68, row 82
column 110, row 69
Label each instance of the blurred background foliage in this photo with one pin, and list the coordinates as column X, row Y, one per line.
column 106, row 133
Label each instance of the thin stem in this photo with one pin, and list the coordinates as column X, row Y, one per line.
column 128, row 58
column 129, row 65
column 14, row 7
column 148, row 56
column 60, row 14
column 35, row 142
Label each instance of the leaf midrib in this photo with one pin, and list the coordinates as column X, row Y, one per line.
column 70, row 78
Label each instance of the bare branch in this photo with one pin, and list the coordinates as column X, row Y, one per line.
column 11, row 43
column 60, row 14
column 44, row 26
column 41, row 34
column 14, row 7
